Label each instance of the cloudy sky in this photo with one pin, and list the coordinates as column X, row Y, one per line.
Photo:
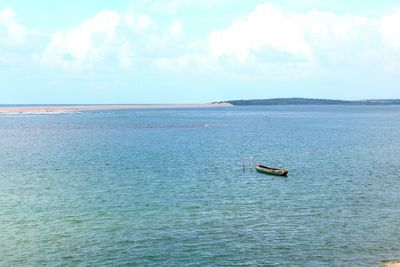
column 191, row 51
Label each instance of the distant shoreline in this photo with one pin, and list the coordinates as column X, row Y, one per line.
column 310, row 101
column 56, row 108
column 69, row 108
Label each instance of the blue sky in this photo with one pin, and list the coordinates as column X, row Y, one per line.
column 192, row 51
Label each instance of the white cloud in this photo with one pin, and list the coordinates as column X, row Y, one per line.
column 267, row 26
column 390, row 34
column 324, row 28
column 110, row 36
column 181, row 61
column 390, row 29
column 85, row 44
column 17, row 41
column 270, row 39
column 173, row 6
column 11, row 32
column 176, row 28
column 140, row 22
column 126, row 56
column 298, row 34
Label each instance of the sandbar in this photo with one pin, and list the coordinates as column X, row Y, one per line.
column 70, row 108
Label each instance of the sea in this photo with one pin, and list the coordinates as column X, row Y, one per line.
column 178, row 187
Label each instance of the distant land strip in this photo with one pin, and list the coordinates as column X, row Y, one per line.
column 308, row 101
column 69, row 108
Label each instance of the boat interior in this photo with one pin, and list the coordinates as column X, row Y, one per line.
column 262, row 166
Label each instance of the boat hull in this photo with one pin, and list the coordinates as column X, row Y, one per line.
column 271, row 171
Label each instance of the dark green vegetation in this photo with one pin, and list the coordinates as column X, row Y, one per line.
column 310, row 101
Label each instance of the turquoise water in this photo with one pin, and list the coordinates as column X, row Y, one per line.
column 166, row 187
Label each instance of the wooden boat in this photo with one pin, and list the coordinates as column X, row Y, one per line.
column 271, row 171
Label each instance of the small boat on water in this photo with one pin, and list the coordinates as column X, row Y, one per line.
column 271, row 171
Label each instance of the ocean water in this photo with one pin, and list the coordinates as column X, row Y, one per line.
column 167, row 187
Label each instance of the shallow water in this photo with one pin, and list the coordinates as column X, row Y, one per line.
column 166, row 187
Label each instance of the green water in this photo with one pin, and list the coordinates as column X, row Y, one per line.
column 166, row 187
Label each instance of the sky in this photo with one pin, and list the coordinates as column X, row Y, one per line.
column 197, row 51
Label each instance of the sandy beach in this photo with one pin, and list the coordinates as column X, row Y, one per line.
column 390, row 263
column 58, row 109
